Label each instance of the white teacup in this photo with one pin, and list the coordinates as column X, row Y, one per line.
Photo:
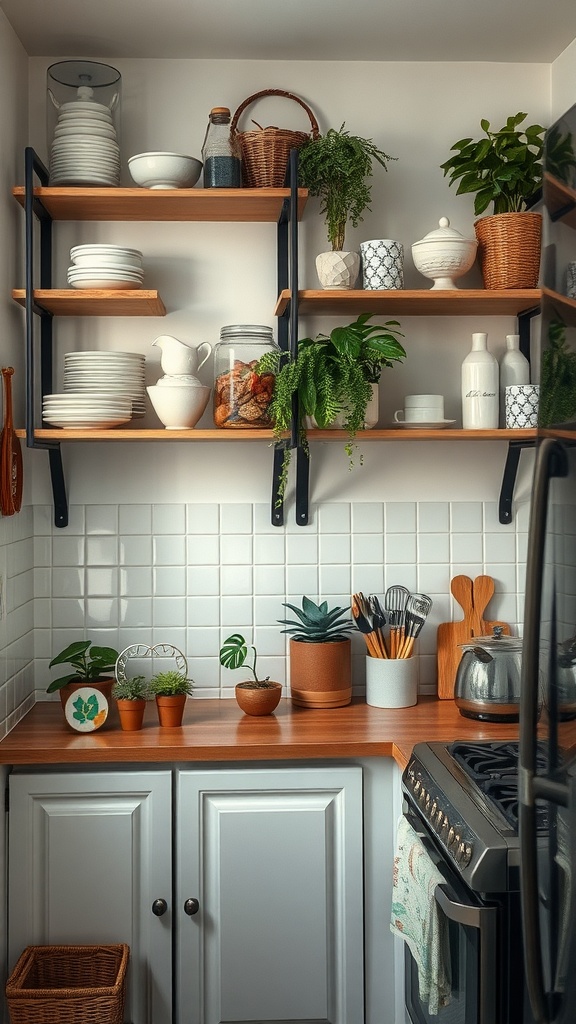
column 421, row 409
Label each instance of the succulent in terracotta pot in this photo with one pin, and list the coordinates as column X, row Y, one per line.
column 320, row 655
column 255, row 696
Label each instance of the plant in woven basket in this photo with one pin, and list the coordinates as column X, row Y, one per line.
column 504, row 167
column 332, row 375
column 317, row 624
column 336, row 168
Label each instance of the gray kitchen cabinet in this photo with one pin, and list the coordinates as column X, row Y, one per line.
column 261, row 870
column 88, row 853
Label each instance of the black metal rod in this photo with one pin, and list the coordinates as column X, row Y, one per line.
column 302, row 486
column 58, row 487
column 524, row 319
column 277, row 510
column 508, row 482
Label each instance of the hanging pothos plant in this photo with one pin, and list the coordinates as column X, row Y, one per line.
column 332, row 375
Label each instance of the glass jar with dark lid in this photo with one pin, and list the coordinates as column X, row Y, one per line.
column 242, row 393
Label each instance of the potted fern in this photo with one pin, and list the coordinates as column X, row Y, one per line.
column 254, row 696
column 171, row 690
column 336, row 167
column 320, row 655
column 334, row 379
column 504, row 168
column 131, row 695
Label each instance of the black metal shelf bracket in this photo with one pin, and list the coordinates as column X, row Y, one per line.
column 34, row 210
column 287, row 278
column 509, row 479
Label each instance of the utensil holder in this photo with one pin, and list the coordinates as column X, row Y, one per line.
column 391, row 682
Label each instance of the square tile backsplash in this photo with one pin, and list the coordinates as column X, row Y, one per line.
column 193, row 574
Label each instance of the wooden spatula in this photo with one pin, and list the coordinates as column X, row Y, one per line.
column 10, row 454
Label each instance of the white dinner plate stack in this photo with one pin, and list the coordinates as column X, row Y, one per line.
column 113, row 267
column 85, row 148
column 93, row 411
column 115, row 374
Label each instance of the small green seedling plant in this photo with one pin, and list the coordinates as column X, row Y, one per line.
column 234, row 654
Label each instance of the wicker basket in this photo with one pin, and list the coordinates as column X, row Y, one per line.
column 509, row 249
column 68, row 985
column 265, row 152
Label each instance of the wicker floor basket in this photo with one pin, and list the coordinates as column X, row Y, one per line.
column 68, row 985
column 509, row 249
column 265, row 151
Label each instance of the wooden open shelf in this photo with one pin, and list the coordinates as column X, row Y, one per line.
column 179, row 204
column 560, row 200
column 564, row 307
column 393, row 434
column 421, row 302
column 94, row 302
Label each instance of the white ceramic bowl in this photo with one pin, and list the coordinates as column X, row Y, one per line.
column 179, row 408
column 164, row 170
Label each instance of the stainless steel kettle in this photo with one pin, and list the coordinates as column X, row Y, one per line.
column 488, row 678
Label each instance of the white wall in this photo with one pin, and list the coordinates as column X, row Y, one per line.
column 563, row 81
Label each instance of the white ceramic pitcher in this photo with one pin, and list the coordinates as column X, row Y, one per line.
column 179, row 357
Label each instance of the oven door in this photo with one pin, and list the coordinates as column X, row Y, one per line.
column 473, row 944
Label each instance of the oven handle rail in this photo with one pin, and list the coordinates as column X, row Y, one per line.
column 484, row 920
column 481, row 918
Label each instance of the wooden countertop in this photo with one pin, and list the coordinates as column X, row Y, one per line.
column 216, row 730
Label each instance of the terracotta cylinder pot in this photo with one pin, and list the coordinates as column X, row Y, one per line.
column 104, row 686
column 321, row 674
column 131, row 714
column 260, row 700
column 171, row 710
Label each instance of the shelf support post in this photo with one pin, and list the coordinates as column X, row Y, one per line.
column 509, row 479
column 34, row 208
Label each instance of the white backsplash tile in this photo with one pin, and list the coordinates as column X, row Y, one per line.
column 192, row 574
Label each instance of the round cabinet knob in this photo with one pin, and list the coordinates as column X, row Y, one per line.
column 159, row 907
column 191, row 906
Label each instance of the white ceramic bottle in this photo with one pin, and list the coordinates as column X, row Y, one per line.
column 480, row 395
column 514, row 369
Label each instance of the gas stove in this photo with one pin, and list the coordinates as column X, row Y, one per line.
column 466, row 796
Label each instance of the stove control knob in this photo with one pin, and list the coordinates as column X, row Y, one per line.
column 427, row 803
column 467, row 854
column 440, row 820
column 422, row 797
column 416, row 787
column 451, row 836
column 433, row 809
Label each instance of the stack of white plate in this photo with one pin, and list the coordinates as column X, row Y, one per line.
column 79, row 411
column 85, row 148
column 115, row 374
column 105, row 266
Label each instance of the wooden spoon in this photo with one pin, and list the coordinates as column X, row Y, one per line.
column 10, row 454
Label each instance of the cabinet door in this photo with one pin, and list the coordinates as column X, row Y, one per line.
column 275, row 860
column 88, row 855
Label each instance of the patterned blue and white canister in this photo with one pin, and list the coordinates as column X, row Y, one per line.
column 522, row 406
column 382, row 264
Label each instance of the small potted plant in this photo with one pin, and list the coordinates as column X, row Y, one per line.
column 334, row 378
column 131, row 695
column 504, row 168
column 336, row 168
column 320, row 655
column 254, row 696
column 91, row 666
column 170, row 690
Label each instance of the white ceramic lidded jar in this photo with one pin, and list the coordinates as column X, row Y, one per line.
column 514, row 369
column 480, row 393
column 444, row 255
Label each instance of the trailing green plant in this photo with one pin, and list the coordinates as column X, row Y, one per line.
column 234, row 654
column 316, row 623
column 557, row 379
column 504, row 167
column 170, row 684
column 135, row 688
column 88, row 665
column 331, row 375
column 335, row 167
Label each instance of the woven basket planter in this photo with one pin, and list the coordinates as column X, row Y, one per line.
column 265, row 151
column 68, row 985
column 509, row 249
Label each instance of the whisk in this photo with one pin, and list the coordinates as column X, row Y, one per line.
column 395, row 604
column 415, row 613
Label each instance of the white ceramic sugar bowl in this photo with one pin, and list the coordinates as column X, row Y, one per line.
column 444, row 255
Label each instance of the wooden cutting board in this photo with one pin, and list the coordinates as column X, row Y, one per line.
column 473, row 597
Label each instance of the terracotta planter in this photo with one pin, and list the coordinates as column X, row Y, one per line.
column 171, row 710
column 103, row 685
column 320, row 674
column 509, row 249
column 260, row 700
column 131, row 714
